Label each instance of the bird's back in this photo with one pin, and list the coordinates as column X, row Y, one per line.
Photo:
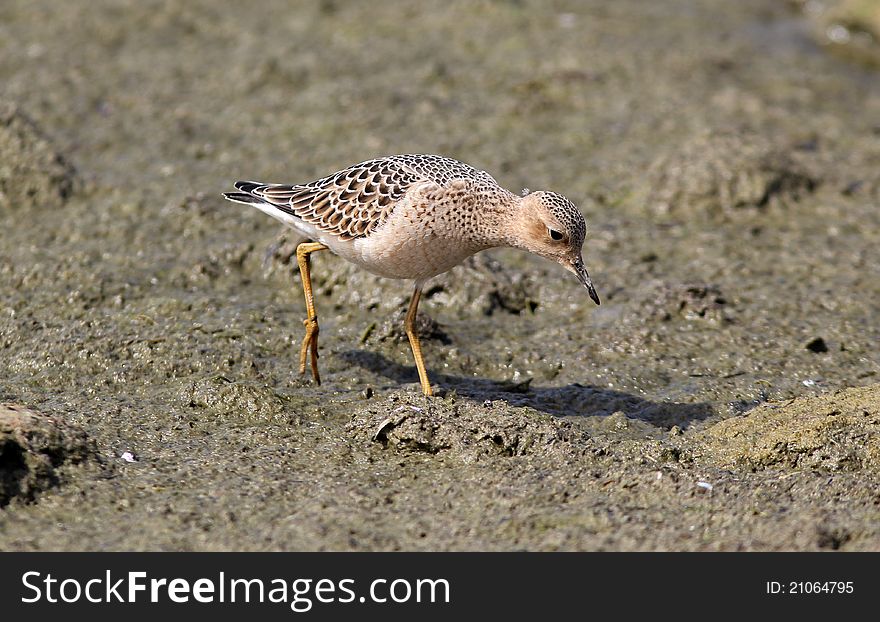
column 355, row 201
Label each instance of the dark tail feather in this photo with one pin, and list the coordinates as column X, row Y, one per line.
column 246, row 194
column 241, row 197
column 247, row 186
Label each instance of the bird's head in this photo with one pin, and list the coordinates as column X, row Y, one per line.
column 551, row 226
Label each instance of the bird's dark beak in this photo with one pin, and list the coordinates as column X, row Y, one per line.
column 584, row 277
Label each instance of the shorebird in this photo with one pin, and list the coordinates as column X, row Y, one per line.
column 413, row 217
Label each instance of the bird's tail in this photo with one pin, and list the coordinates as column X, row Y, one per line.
column 245, row 196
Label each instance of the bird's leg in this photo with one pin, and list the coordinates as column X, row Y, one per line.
column 410, row 325
column 310, row 341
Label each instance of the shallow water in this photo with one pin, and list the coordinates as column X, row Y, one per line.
column 728, row 169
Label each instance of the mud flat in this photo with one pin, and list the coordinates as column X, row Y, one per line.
column 726, row 395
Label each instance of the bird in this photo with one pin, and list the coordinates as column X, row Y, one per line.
column 413, row 217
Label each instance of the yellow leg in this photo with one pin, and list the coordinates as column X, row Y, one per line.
column 310, row 341
column 409, row 324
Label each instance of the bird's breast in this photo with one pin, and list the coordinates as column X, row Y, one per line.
column 411, row 244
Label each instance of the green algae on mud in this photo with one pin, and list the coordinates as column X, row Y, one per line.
column 829, row 433
column 726, row 165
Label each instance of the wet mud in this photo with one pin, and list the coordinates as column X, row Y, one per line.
column 724, row 396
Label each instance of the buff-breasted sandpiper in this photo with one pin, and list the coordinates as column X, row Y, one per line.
column 414, row 217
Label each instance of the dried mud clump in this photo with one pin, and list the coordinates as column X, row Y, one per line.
column 219, row 398
column 33, row 448
column 660, row 301
column 464, row 430
column 717, row 172
column 689, row 301
column 483, row 285
column 833, row 432
column 32, row 172
column 392, row 329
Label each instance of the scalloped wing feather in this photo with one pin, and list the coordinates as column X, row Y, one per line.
column 351, row 203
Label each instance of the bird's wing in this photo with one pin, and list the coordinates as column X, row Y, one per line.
column 351, row 203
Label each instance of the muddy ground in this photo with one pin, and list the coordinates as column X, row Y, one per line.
column 726, row 395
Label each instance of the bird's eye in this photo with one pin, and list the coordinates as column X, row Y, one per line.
column 556, row 236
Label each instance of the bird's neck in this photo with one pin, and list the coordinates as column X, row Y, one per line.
column 494, row 219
